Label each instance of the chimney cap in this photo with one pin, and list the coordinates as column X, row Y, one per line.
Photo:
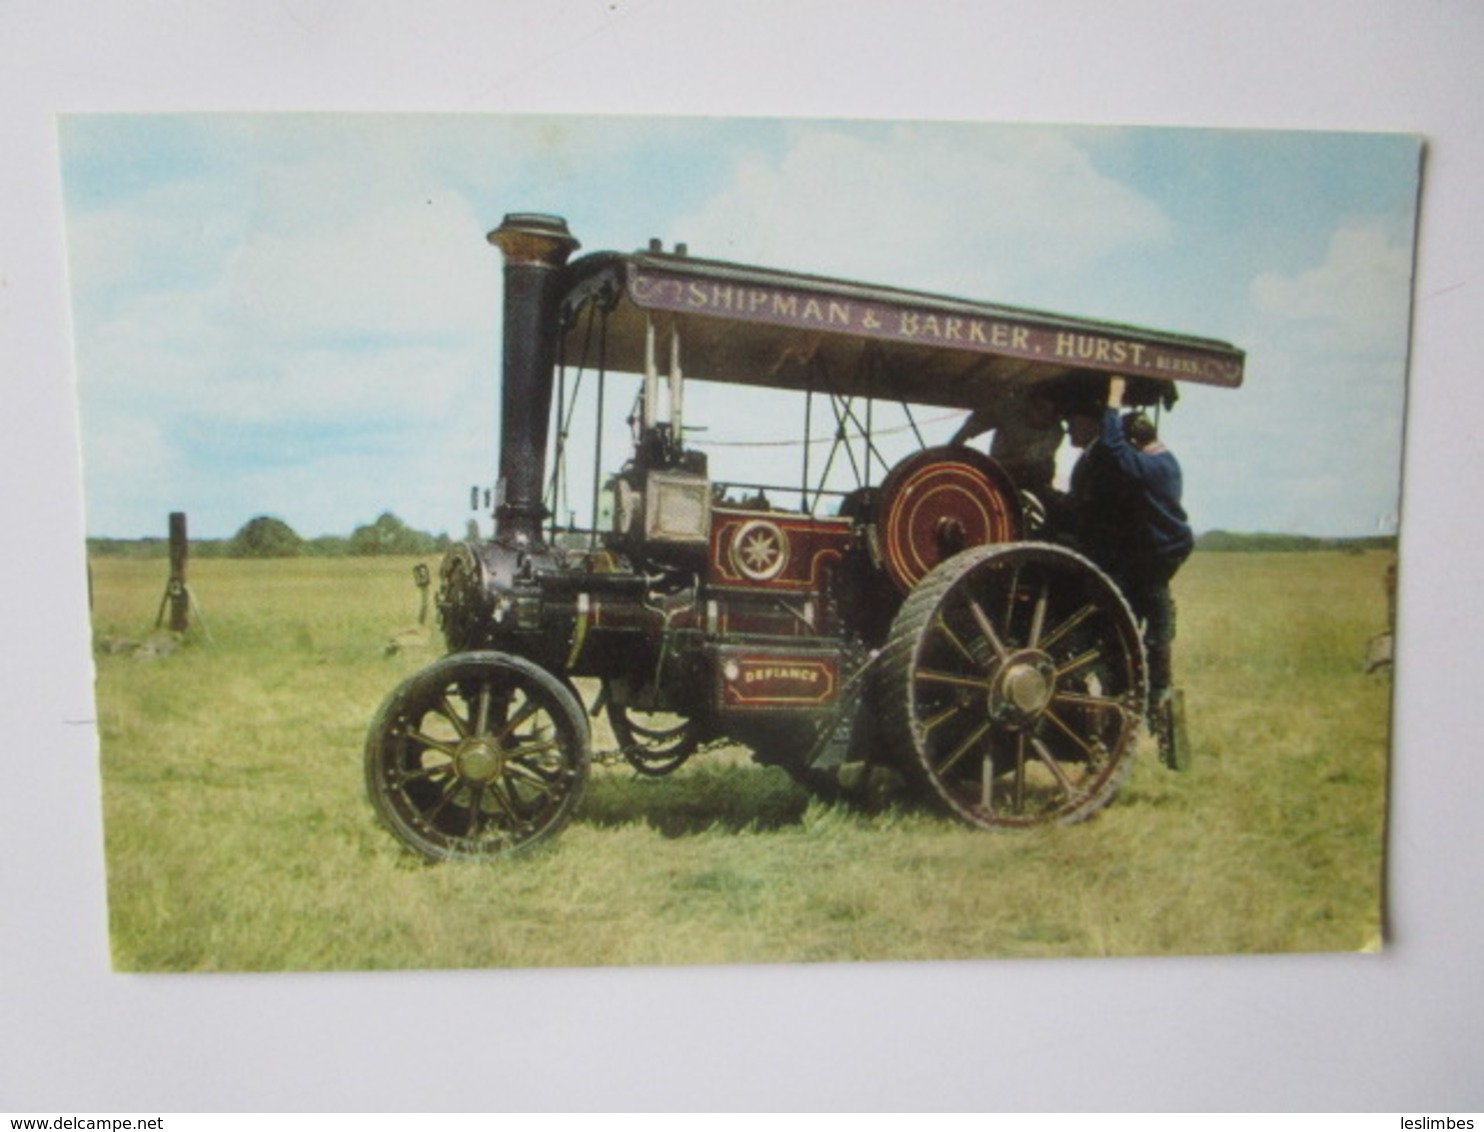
column 534, row 237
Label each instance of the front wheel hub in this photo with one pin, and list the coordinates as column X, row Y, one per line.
column 478, row 760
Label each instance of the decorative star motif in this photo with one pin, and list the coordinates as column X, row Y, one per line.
column 760, row 550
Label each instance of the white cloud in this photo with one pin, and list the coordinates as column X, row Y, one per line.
column 1312, row 441
column 923, row 207
column 189, row 354
column 1310, row 444
column 416, row 266
column 132, row 471
column 203, row 317
column 1352, row 301
column 426, row 485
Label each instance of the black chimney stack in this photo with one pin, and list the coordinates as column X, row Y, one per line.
column 535, row 247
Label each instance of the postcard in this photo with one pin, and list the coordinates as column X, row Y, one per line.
column 585, row 541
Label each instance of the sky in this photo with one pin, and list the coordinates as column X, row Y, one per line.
column 298, row 315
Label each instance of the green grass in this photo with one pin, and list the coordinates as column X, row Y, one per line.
column 239, row 837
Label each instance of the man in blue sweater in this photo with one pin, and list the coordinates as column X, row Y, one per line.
column 1127, row 517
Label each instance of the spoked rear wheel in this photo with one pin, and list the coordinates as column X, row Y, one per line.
column 1014, row 685
column 478, row 755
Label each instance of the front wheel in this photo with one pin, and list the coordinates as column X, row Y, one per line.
column 477, row 756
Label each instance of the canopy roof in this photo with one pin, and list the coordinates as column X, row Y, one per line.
column 757, row 326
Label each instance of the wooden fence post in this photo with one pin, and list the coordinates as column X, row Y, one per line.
column 177, row 597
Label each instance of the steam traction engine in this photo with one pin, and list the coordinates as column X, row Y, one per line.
column 906, row 629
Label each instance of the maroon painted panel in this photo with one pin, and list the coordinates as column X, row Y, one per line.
column 773, row 550
column 771, row 679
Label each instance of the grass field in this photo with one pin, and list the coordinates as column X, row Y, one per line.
column 239, row 836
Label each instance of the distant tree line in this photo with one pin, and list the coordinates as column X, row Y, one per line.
column 1232, row 540
column 265, row 536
